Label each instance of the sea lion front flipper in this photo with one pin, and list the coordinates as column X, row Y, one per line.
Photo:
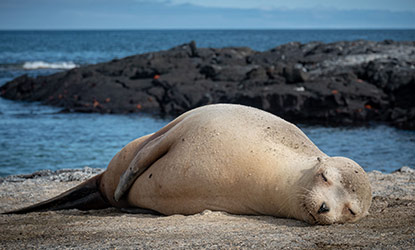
column 155, row 147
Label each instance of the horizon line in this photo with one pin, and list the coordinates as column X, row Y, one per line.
column 205, row 29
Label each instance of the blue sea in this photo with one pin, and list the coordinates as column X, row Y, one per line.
column 35, row 137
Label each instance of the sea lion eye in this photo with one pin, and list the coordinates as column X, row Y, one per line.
column 324, row 177
column 351, row 211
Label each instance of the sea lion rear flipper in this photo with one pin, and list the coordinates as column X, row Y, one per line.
column 85, row 196
column 155, row 147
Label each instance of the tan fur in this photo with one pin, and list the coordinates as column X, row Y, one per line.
column 116, row 167
column 236, row 159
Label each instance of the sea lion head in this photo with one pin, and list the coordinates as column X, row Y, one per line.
column 335, row 190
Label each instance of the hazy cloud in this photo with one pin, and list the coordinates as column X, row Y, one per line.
column 196, row 14
column 390, row 5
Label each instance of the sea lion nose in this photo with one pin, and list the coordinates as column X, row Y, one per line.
column 323, row 209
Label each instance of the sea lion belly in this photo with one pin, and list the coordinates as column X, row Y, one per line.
column 240, row 170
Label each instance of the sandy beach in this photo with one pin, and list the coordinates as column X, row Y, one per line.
column 390, row 224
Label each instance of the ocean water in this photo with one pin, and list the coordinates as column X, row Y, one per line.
column 34, row 137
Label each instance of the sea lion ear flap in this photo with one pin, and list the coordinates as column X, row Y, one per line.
column 155, row 147
column 319, row 161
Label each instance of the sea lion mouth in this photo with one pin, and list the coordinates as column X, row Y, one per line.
column 312, row 216
column 307, row 211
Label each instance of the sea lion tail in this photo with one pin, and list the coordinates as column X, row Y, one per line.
column 85, row 196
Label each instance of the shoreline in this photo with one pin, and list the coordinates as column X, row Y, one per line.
column 390, row 224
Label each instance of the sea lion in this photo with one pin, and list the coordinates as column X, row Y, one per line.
column 230, row 158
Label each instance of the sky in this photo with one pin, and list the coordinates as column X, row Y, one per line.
column 204, row 14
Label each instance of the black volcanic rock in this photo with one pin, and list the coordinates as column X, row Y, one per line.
column 336, row 83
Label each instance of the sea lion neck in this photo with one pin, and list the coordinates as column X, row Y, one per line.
column 285, row 188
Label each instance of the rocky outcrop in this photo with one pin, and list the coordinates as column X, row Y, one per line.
column 337, row 83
